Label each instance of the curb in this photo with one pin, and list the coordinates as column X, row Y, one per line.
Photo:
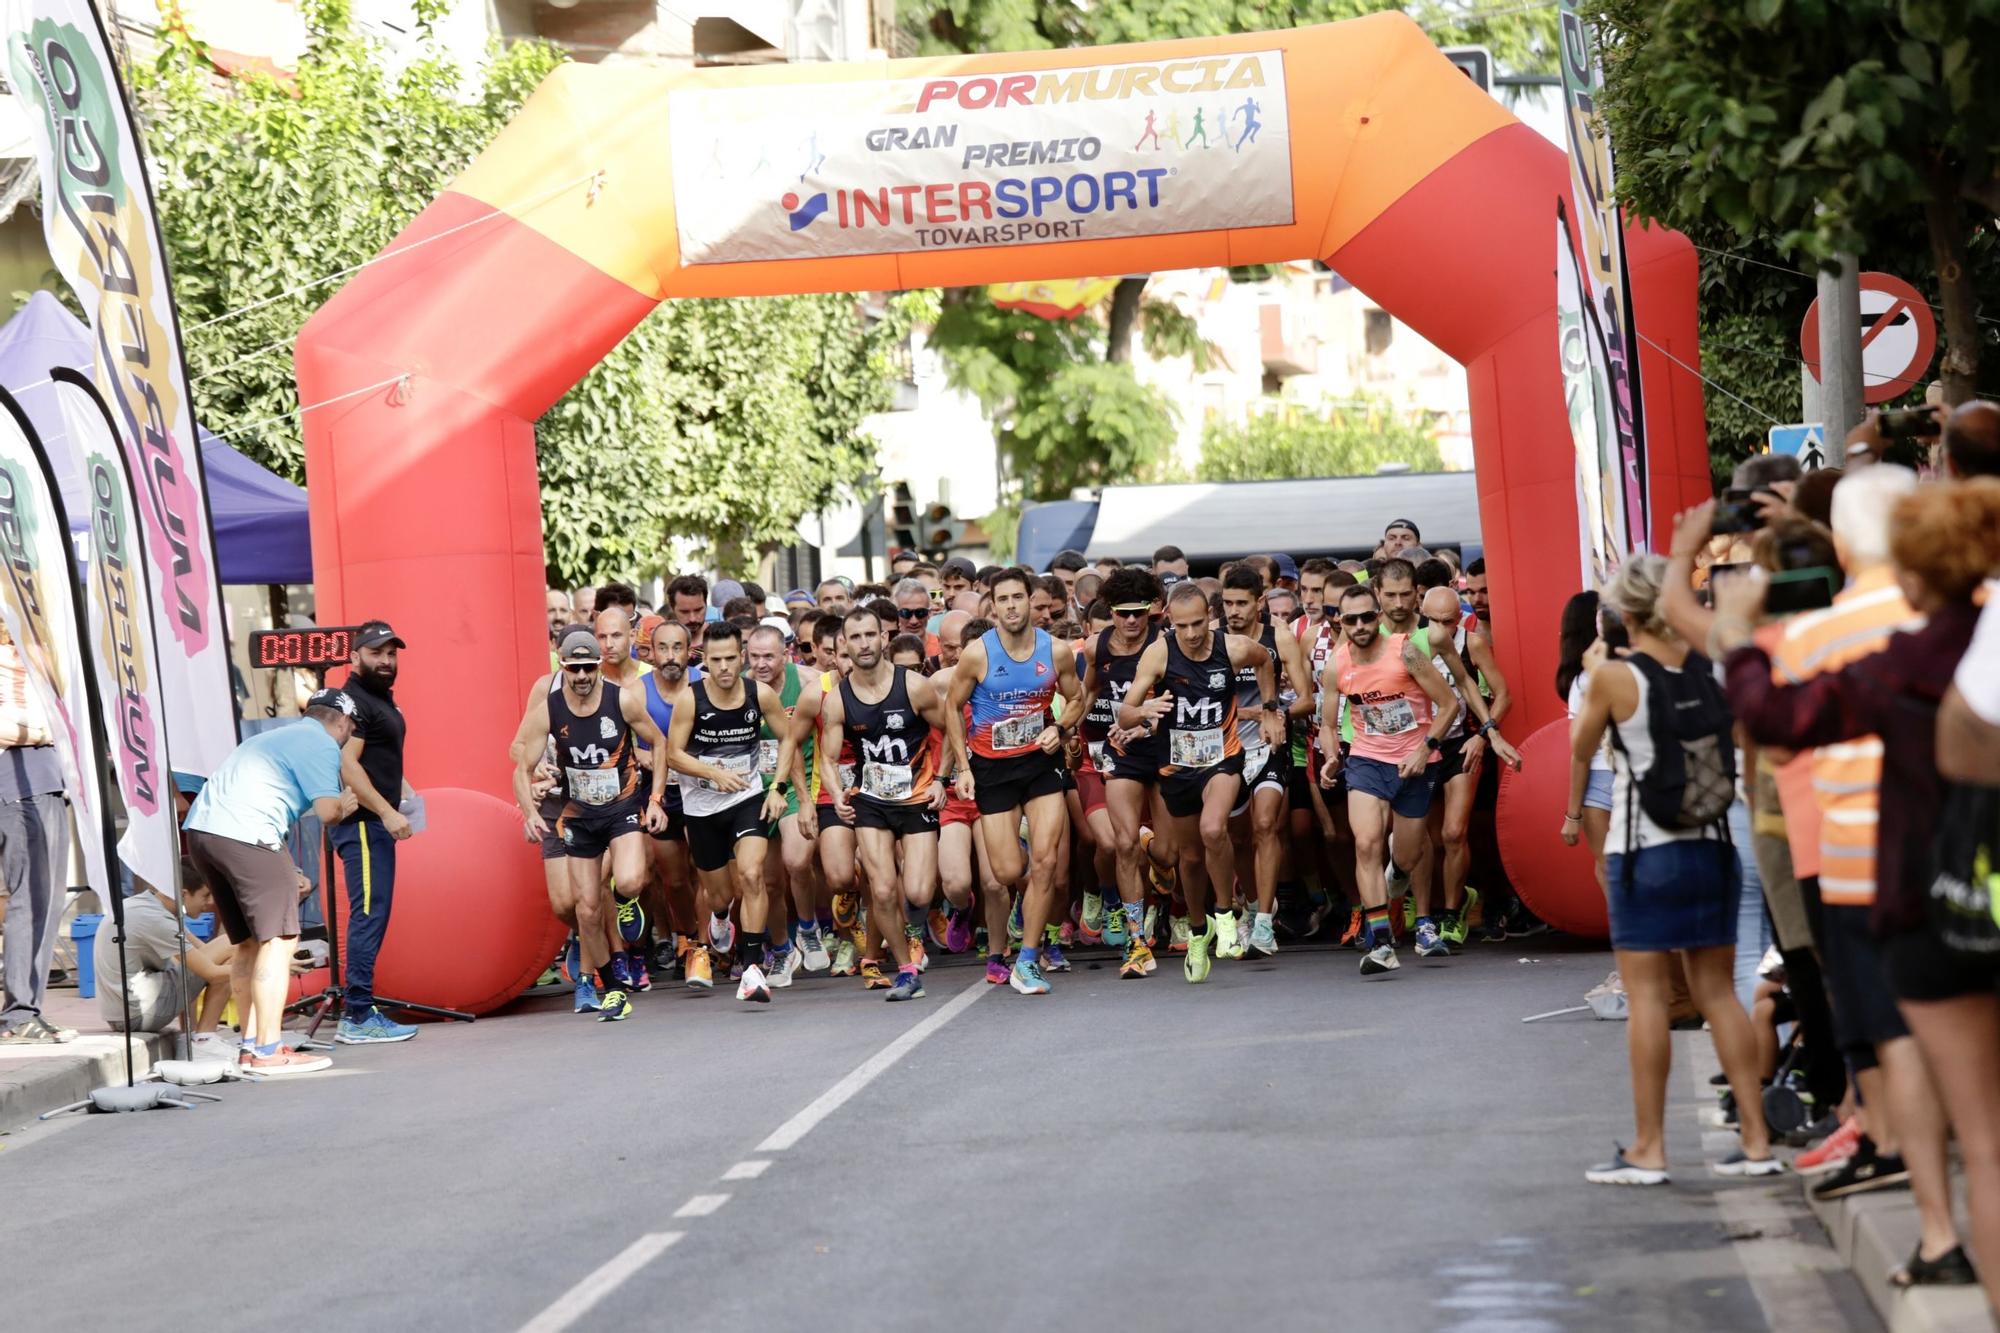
column 1875, row 1234
column 33, row 1084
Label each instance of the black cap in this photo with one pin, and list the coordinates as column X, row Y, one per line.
column 375, row 633
column 1395, row 523
column 578, row 647
column 961, row 566
column 334, row 699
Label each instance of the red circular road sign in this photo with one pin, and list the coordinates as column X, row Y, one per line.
column 1898, row 337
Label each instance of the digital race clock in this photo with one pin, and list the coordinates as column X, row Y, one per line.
column 309, row 648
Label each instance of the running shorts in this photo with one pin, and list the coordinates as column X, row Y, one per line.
column 1001, row 785
column 903, row 819
column 1090, row 789
column 712, row 838
column 1408, row 797
column 1183, row 791
column 589, row 831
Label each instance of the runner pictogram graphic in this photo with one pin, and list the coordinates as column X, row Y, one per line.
column 815, row 159
column 1151, row 132
column 1251, row 124
column 1200, row 131
column 1173, row 130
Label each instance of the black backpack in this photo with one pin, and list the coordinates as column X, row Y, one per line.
column 1692, row 782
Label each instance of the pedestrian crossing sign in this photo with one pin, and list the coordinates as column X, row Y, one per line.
column 1806, row 442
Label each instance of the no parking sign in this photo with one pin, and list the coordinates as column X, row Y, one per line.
column 1898, row 337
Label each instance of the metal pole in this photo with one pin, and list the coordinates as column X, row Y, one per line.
column 1840, row 351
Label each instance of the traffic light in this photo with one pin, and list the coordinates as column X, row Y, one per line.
column 903, row 522
column 942, row 530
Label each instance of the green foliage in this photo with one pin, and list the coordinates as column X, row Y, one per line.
column 715, row 421
column 1294, row 442
column 1816, row 130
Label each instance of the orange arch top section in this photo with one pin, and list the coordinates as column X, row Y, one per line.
column 1345, row 118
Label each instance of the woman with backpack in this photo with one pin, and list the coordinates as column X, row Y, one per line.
column 1671, row 872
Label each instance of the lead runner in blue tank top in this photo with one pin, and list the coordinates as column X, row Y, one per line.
column 1009, row 677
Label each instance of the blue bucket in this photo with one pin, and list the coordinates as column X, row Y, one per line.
column 83, row 930
column 202, row 927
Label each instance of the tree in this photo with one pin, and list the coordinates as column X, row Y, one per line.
column 1029, row 376
column 715, row 421
column 1820, row 130
column 1299, row 443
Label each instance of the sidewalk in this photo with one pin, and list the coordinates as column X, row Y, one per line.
column 34, row 1079
column 1875, row 1235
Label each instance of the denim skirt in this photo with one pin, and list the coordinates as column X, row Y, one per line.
column 1678, row 895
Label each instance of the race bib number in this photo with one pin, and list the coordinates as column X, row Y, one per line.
column 846, row 776
column 1097, row 755
column 1388, row 719
column 743, row 765
column 887, row 782
column 1017, row 732
column 767, row 758
column 1195, row 749
column 1254, row 756
column 593, row 786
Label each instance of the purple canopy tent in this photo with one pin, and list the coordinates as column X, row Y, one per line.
column 261, row 535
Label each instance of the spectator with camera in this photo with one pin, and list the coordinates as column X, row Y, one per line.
column 1944, row 541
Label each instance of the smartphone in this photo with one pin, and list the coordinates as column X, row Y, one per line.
column 1736, row 512
column 1907, row 423
column 1796, row 590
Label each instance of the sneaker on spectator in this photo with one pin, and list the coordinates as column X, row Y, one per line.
column 373, row 1026
column 1863, row 1173
column 1835, row 1149
column 282, row 1063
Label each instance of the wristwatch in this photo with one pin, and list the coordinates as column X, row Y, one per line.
column 1486, row 727
column 1273, row 705
column 1437, row 746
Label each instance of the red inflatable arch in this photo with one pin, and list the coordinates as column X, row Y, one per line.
column 1359, row 145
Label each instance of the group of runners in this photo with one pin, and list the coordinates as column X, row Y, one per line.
column 1117, row 756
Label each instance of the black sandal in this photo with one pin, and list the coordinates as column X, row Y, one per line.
column 1950, row 1269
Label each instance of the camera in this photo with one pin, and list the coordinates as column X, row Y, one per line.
column 1736, row 512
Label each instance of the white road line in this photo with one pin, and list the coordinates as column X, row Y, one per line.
column 749, row 1170
column 701, row 1205
column 870, row 1069
column 581, row 1299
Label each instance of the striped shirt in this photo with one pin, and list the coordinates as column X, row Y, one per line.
column 1847, row 777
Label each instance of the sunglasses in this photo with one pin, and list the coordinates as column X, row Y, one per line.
column 912, row 613
column 1131, row 610
column 1361, row 618
column 589, row 670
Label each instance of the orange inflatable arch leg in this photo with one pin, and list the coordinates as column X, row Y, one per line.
column 618, row 187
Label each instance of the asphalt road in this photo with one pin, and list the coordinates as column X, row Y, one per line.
column 1285, row 1143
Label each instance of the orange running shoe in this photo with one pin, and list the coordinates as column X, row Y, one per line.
column 872, row 976
column 1353, row 931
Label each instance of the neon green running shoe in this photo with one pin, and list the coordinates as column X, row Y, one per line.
column 1222, row 930
column 1195, row 966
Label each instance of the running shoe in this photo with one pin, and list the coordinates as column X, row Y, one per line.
column 1092, row 919
column 753, row 987
column 1263, row 938
column 1526, row 925
column 551, row 976
column 1177, row 928
column 1466, row 910
column 909, row 986
column 958, row 931
column 1740, row 1163
column 700, row 972
column 1863, row 1173
column 1409, row 903
column 1139, row 962
column 374, row 1026
column 872, row 977
column 1618, row 1171
column 631, row 919
column 618, row 972
column 812, row 947
column 1243, row 915
column 1065, row 934
column 1195, row 966
column 844, row 955
column 1836, row 1148
column 1429, row 943
column 1052, row 957
column 1150, row 931
column 282, row 1063
column 918, row 954
column 1027, row 978
column 1451, row 928
column 937, row 926
column 1115, row 932
column 587, row 1001
column 666, row 956
column 642, row 979
column 997, row 972
column 1382, row 958
column 1351, row 937
column 1014, row 926
column 721, row 933
column 1494, row 931
column 572, row 961
column 617, row 1005
column 781, row 965
column 1223, row 936
column 846, row 911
